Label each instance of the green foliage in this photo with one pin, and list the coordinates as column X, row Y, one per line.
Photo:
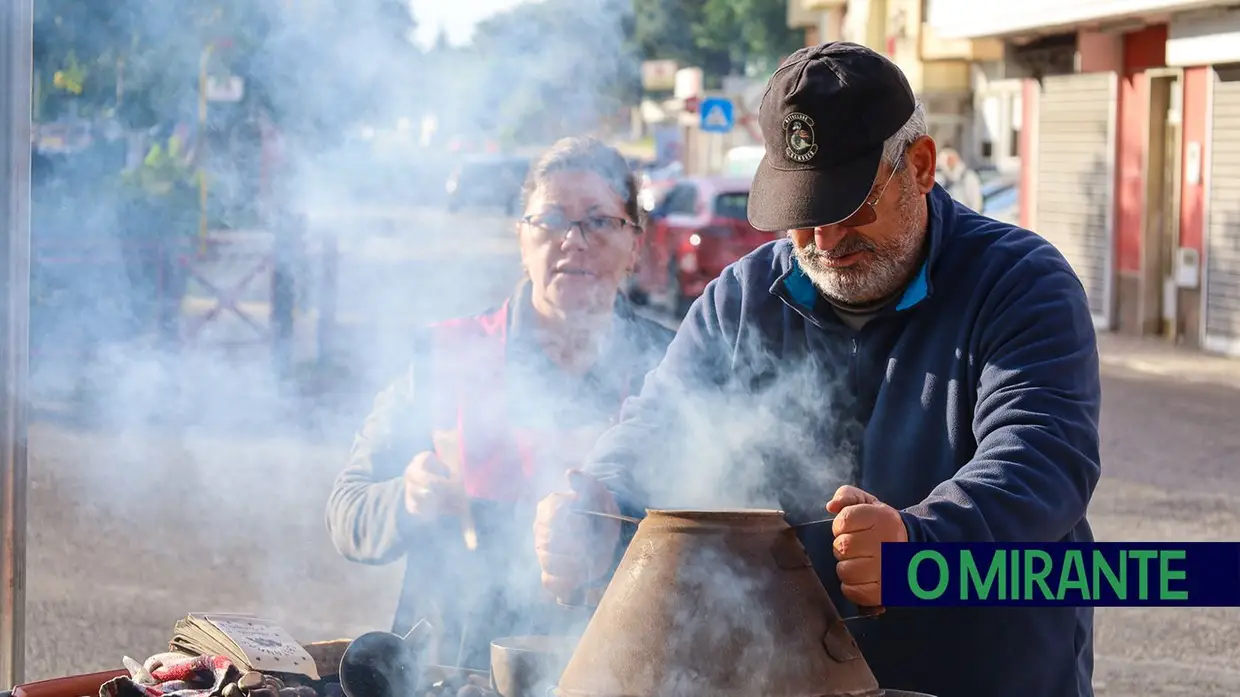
column 165, row 171
column 545, row 70
column 333, row 63
column 723, row 37
column 141, row 60
column 315, row 67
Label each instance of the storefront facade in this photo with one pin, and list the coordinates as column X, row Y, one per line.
column 1205, row 45
column 1072, row 175
column 938, row 70
column 1120, row 118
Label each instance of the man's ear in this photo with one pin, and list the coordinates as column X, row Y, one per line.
column 922, row 161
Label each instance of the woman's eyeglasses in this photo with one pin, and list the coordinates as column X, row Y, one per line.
column 604, row 226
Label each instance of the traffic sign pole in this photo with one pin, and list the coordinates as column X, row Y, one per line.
column 718, row 117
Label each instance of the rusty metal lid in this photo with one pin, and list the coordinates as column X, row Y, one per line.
column 716, row 604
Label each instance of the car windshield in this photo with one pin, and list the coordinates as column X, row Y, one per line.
column 734, row 206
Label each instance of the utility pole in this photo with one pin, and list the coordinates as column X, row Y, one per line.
column 16, row 81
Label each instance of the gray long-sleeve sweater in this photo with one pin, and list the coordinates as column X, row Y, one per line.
column 366, row 517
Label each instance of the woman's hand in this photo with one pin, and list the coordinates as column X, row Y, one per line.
column 430, row 489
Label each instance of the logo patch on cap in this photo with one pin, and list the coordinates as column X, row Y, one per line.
column 799, row 135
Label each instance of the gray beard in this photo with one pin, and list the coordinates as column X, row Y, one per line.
column 886, row 272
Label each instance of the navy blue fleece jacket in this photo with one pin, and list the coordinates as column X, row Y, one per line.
column 971, row 404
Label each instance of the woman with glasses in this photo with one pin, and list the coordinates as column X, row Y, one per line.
column 495, row 408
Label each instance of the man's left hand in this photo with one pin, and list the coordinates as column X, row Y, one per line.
column 862, row 524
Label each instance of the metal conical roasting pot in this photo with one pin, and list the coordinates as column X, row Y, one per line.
column 716, row 604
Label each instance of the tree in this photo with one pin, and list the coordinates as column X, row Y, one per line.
column 555, row 68
column 669, row 29
column 140, row 59
column 331, row 65
column 723, row 37
column 753, row 33
column 77, row 47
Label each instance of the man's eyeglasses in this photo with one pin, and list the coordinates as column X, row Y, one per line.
column 596, row 226
column 868, row 213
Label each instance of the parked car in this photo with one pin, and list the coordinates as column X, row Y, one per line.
column 488, row 181
column 696, row 230
column 655, row 182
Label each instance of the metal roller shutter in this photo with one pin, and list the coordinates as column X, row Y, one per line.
column 1075, row 177
column 1222, row 252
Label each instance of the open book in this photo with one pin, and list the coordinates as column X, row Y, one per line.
column 251, row 643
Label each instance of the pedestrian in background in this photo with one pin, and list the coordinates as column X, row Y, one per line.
column 960, row 181
column 449, row 465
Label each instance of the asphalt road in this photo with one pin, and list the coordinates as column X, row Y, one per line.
column 132, row 527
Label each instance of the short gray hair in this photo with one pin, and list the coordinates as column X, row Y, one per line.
column 586, row 154
column 914, row 128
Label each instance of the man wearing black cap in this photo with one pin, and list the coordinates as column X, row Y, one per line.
column 931, row 372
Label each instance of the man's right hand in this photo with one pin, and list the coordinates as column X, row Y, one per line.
column 575, row 549
column 430, row 490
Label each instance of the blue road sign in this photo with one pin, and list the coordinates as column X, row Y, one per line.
column 717, row 115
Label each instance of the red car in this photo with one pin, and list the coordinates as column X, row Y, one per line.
column 697, row 229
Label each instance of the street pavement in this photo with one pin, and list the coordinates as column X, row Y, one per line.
column 397, row 268
column 1170, row 474
column 132, row 527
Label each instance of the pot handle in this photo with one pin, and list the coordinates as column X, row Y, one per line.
column 866, row 612
column 609, row 516
column 790, row 554
column 863, row 613
column 839, row 642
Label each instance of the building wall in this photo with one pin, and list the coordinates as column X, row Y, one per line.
column 902, row 39
column 1097, row 52
column 1028, row 152
column 946, row 76
column 972, row 19
column 1192, row 196
column 1194, row 127
column 1142, row 50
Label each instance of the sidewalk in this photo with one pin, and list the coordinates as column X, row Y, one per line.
column 1161, row 358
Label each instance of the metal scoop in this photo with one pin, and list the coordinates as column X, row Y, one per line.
column 637, row 521
column 383, row 664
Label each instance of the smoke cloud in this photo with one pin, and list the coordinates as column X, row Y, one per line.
column 757, row 442
column 345, row 140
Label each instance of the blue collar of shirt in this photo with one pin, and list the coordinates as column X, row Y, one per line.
column 803, row 292
column 800, row 289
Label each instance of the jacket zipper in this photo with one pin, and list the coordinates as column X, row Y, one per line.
column 853, row 368
column 854, row 371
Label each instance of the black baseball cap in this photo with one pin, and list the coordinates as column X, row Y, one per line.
column 824, row 117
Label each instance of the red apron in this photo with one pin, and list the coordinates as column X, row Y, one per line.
column 497, row 461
